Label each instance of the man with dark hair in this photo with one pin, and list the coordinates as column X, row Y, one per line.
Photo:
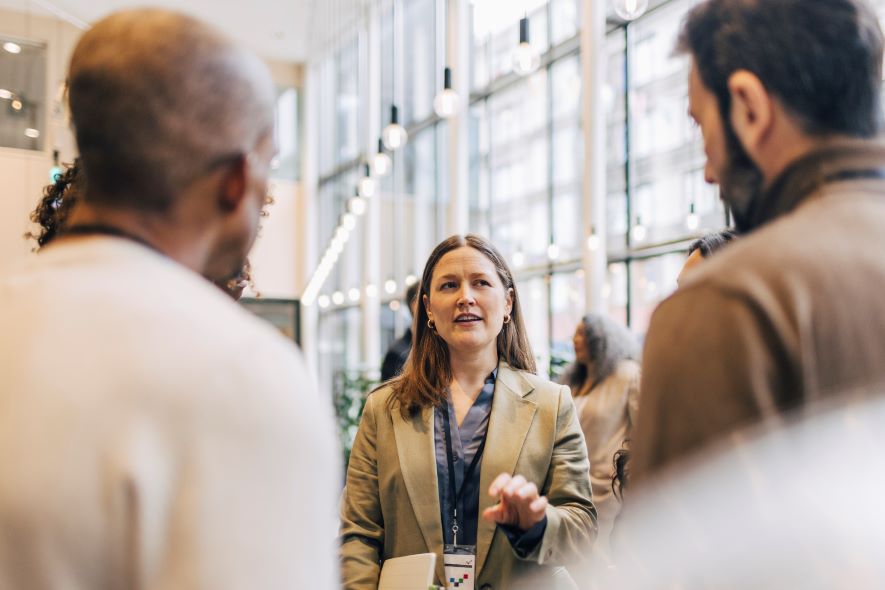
column 703, row 248
column 787, row 96
column 153, row 433
column 399, row 351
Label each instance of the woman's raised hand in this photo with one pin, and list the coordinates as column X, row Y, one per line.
column 519, row 503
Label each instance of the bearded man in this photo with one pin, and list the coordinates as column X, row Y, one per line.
column 787, row 97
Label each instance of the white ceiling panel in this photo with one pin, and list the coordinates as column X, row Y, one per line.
column 275, row 29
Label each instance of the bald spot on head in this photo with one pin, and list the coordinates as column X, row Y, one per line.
column 156, row 99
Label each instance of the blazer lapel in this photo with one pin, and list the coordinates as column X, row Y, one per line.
column 509, row 424
column 415, row 448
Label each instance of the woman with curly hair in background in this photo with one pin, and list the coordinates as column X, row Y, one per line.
column 605, row 381
column 59, row 199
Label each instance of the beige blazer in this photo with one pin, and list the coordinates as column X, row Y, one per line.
column 390, row 506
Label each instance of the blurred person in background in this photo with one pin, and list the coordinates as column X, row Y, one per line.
column 703, row 248
column 59, row 199
column 787, row 97
column 396, row 357
column 605, row 381
column 468, row 454
column 698, row 251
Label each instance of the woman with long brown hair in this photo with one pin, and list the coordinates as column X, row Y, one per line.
column 468, row 454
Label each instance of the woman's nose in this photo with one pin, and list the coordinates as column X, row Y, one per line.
column 465, row 297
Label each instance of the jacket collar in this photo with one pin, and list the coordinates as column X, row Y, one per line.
column 837, row 160
column 511, row 417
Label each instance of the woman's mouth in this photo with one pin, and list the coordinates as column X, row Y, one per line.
column 467, row 318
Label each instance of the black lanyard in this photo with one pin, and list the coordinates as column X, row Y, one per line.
column 456, row 496
column 87, row 229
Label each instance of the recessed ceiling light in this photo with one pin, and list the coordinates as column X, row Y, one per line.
column 32, row 133
column 16, row 104
column 12, row 47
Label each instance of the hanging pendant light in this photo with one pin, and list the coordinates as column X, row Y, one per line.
column 381, row 162
column 639, row 232
column 630, row 9
column 446, row 102
column 525, row 57
column 593, row 241
column 394, row 135
column 366, row 187
column 692, row 221
column 356, row 204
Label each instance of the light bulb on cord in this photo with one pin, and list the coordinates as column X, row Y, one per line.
column 552, row 251
column 630, row 9
column 394, row 135
column 692, row 221
column 348, row 221
column 390, row 286
column 593, row 240
column 367, row 184
column 381, row 162
column 446, row 102
column 323, row 301
column 356, row 205
column 525, row 57
column 337, row 297
column 639, row 231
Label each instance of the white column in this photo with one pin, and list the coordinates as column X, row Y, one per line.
column 458, row 58
column 309, row 180
column 370, row 68
column 593, row 62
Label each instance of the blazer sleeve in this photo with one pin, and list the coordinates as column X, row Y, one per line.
column 571, row 516
column 362, row 525
column 633, row 395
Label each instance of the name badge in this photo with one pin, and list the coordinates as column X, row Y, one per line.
column 460, row 566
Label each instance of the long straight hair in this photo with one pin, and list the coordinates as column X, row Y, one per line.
column 428, row 371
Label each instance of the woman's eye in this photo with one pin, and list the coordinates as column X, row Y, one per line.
column 448, row 285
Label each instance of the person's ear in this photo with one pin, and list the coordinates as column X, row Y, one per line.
column 509, row 300
column 426, row 301
column 752, row 109
column 234, row 184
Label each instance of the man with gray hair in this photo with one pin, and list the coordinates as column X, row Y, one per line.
column 152, row 433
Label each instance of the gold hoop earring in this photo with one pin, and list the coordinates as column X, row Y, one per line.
column 431, row 325
column 506, row 319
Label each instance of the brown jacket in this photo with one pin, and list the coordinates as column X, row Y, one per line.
column 791, row 313
column 391, row 508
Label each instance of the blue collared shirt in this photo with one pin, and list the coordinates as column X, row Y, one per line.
column 466, row 440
